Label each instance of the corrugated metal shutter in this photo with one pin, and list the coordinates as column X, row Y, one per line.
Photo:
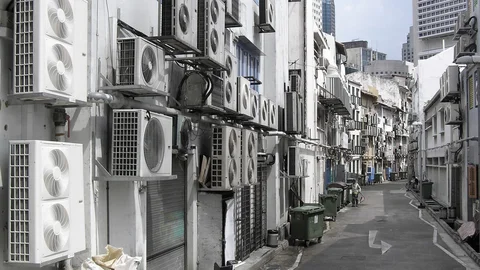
column 166, row 221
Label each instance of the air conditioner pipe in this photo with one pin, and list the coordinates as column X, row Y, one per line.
column 118, row 101
column 60, row 118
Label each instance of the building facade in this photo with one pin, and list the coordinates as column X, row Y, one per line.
column 328, row 18
column 434, row 25
column 390, row 69
column 360, row 55
column 407, row 47
column 318, row 13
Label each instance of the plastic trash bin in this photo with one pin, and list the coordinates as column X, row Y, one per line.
column 427, row 190
column 393, row 176
column 307, row 223
column 378, row 177
column 349, row 193
column 339, row 193
column 329, row 202
column 344, row 196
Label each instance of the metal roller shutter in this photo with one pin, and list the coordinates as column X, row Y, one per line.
column 166, row 221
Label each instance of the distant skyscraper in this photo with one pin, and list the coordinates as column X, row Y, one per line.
column 407, row 47
column 317, row 13
column 433, row 26
column 328, row 12
column 360, row 55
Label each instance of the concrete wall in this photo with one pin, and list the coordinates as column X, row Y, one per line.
column 391, row 67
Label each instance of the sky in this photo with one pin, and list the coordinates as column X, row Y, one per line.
column 383, row 23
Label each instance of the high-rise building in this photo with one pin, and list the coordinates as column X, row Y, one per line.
column 328, row 12
column 407, row 47
column 317, row 13
column 360, row 55
column 434, row 26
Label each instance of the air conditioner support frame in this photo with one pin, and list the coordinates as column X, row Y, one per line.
column 45, row 98
column 265, row 28
column 199, row 62
column 231, row 22
column 106, row 176
column 134, row 90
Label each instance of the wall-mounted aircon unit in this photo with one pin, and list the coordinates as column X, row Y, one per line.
column 211, row 29
column 140, row 63
column 249, row 157
column 291, row 110
column 195, row 92
column 45, row 202
column 182, row 128
column 452, row 114
column 295, row 166
column 295, row 79
column 267, row 16
column 463, row 47
column 255, row 106
column 230, row 84
column 460, row 27
column 273, row 117
column 232, row 13
column 449, row 84
column 264, row 111
column 50, row 50
column 243, row 99
column 226, row 158
column 141, row 144
column 179, row 22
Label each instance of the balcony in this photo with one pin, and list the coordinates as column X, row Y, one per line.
column 335, row 96
column 370, row 131
column 354, row 125
column 359, row 150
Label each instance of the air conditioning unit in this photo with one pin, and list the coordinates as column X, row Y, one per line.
column 249, row 157
column 255, row 106
column 226, row 158
column 264, row 111
column 243, row 100
column 461, row 48
column 267, row 16
column 141, row 144
column 449, row 84
column 232, row 13
column 322, row 63
column 50, row 50
column 140, row 63
column 230, row 82
column 211, row 29
column 294, row 162
column 45, row 202
column 291, row 102
column 195, row 92
column 452, row 114
column 295, row 80
column 181, row 132
column 273, row 117
column 179, row 22
column 460, row 28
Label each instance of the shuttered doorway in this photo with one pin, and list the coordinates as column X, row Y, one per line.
column 166, row 221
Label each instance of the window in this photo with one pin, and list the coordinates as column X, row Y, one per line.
column 248, row 64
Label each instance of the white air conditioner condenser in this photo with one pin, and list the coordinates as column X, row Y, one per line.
column 243, row 100
column 140, row 63
column 46, row 202
column 179, row 20
column 211, row 29
column 50, row 50
column 230, row 82
column 255, row 106
column 249, row 157
column 226, row 158
column 267, row 15
column 264, row 111
column 272, row 112
column 141, row 144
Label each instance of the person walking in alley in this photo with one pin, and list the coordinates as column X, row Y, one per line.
column 355, row 190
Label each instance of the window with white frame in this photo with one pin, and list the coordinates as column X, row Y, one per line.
column 248, row 64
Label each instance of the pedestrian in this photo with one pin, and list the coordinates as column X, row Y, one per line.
column 355, row 190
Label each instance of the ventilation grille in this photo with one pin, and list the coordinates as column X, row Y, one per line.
column 23, row 46
column 168, row 10
column 217, row 92
column 203, row 29
column 217, row 161
column 19, row 226
column 126, row 61
column 125, row 143
column 235, row 9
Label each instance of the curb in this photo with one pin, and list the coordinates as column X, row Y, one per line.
column 267, row 257
column 466, row 247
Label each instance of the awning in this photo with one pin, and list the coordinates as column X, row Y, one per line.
column 340, row 48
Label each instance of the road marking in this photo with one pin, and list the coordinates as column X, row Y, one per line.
column 384, row 246
column 435, row 234
column 297, row 261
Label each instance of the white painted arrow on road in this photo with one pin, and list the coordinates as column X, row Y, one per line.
column 384, row 246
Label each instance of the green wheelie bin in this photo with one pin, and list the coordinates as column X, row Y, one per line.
column 427, row 190
column 329, row 202
column 339, row 193
column 307, row 223
column 344, row 195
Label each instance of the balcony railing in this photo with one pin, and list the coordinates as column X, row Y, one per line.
column 354, row 125
column 336, row 96
column 370, row 131
column 359, row 150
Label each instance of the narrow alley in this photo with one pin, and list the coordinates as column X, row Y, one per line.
column 390, row 219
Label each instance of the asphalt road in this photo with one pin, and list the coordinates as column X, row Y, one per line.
column 388, row 219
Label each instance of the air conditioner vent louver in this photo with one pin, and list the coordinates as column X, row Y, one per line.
column 249, row 145
column 230, row 82
column 24, row 43
column 211, row 29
